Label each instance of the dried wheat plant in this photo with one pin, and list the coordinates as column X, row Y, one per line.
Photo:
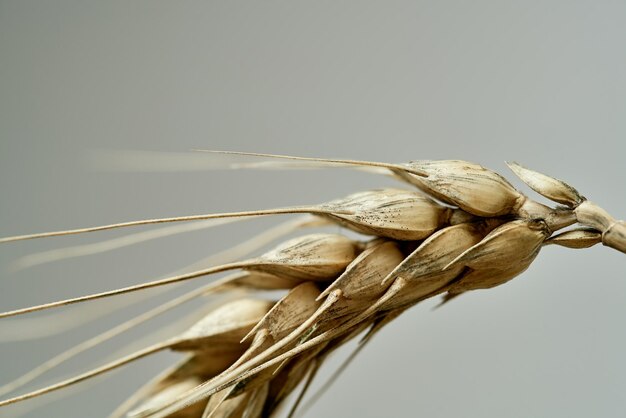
column 454, row 228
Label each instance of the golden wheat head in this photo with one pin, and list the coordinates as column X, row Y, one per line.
column 455, row 227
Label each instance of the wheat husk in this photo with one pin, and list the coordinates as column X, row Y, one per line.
column 577, row 238
column 391, row 213
column 549, row 187
column 469, row 186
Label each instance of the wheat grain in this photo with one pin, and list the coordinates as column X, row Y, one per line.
column 245, row 358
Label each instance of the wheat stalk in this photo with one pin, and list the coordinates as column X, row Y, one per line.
column 465, row 228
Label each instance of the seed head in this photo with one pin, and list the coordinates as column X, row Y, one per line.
column 243, row 359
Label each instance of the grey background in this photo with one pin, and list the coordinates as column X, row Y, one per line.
column 540, row 82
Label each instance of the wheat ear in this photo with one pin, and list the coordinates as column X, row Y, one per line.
column 465, row 228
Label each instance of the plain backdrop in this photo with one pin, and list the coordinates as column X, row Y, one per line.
column 539, row 82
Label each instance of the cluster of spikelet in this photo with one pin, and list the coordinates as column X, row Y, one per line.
column 466, row 228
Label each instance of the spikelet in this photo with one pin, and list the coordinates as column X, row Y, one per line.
column 577, row 238
column 224, row 327
column 503, row 254
column 391, row 213
column 312, row 257
column 363, row 278
column 289, row 312
column 425, row 269
column 549, row 187
column 469, row 186
column 466, row 228
column 506, row 245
